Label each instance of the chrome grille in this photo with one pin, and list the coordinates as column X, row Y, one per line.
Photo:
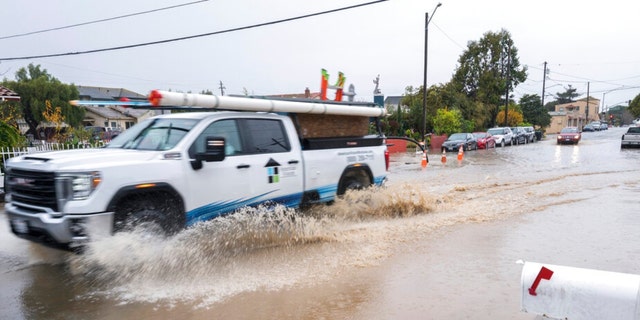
column 36, row 188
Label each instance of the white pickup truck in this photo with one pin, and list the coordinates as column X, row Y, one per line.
column 631, row 138
column 179, row 169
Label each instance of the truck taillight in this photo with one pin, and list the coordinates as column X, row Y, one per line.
column 386, row 159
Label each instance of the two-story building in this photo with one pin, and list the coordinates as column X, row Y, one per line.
column 574, row 114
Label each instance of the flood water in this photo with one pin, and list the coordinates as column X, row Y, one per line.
column 440, row 242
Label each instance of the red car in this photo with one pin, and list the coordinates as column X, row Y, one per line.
column 485, row 140
column 570, row 135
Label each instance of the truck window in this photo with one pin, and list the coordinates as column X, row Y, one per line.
column 228, row 129
column 154, row 134
column 267, row 136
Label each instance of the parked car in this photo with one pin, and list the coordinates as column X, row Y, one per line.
column 531, row 133
column 631, row 138
column 502, row 135
column 604, row 126
column 569, row 135
column 595, row 125
column 519, row 135
column 485, row 140
column 102, row 133
column 464, row 139
column 588, row 127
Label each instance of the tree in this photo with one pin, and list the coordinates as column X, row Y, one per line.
column 438, row 97
column 53, row 116
column 486, row 70
column 412, row 98
column 35, row 86
column 514, row 117
column 10, row 112
column 634, row 106
column 10, row 136
column 533, row 112
column 447, row 121
column 568, row 96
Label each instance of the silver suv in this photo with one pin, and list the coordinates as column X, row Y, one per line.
column 531, row 133
column 502, row 135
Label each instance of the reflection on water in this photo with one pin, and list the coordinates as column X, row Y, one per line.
column 566, row 154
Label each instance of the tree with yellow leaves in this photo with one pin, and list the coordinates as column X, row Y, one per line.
column 514, row 117
column 53, row 116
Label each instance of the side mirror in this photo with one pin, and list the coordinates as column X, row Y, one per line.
column 213, row 151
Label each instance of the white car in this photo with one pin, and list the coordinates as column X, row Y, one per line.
column 502, row 135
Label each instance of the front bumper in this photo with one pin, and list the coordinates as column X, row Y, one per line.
column 567, row 140
column 57, row 230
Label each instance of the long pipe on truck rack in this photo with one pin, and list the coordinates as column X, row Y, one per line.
column 167, row 98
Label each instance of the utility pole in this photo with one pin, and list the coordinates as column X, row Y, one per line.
column 587, row 109
column 506, row 95
column 424, row 84
column 222, row 87
column 544, row 77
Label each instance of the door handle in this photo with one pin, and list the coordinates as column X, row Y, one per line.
column 293, row 161
column 243, row 166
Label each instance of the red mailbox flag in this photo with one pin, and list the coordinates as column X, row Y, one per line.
column 543, row 274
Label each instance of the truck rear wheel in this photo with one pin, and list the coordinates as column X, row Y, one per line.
column 355, row 179
column 156, row 209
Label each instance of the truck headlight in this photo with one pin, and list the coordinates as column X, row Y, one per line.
column 79, row 185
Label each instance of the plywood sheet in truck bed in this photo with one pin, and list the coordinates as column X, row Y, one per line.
column 328, row 126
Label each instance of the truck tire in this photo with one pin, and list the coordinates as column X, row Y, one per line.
column 155, row 209
column 354, row 179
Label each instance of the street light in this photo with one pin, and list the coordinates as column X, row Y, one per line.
column 424, row 84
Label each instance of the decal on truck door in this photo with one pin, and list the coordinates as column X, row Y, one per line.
column 272, row 171
column 274, row 177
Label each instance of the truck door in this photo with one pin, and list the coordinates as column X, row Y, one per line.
column 260, row 165
column 276, row 162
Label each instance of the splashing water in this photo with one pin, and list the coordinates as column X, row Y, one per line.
column 263, row 248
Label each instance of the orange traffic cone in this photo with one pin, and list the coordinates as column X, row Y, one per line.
column 425, row 162
column 444, row 157
column 460, row 153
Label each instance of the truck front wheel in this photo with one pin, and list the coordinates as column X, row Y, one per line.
column 158, row 209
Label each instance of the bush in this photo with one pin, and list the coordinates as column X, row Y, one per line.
column 447, row 122
column 10, row 136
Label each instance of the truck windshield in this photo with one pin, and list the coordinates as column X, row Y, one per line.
column 154, row 134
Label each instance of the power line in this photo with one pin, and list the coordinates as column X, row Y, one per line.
column 194, row 36
column 98, row 21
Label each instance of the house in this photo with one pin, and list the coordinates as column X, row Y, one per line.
column 7, row 94
column 574, row 114
column 349, row 94
column 306, row 95
column 112, row 117
column 392, row 103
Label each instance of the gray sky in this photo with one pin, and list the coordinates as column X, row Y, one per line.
column 582, row 41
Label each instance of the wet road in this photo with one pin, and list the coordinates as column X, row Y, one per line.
column 436, row 243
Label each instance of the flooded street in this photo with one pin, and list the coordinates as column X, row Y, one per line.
column 440, row 242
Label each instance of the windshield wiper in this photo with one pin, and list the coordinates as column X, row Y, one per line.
column 166, row 138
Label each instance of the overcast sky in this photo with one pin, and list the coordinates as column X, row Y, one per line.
column 582, row 42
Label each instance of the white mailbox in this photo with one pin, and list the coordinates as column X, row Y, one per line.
column 561, row 292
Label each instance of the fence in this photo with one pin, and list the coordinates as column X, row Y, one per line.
column 10, row 152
